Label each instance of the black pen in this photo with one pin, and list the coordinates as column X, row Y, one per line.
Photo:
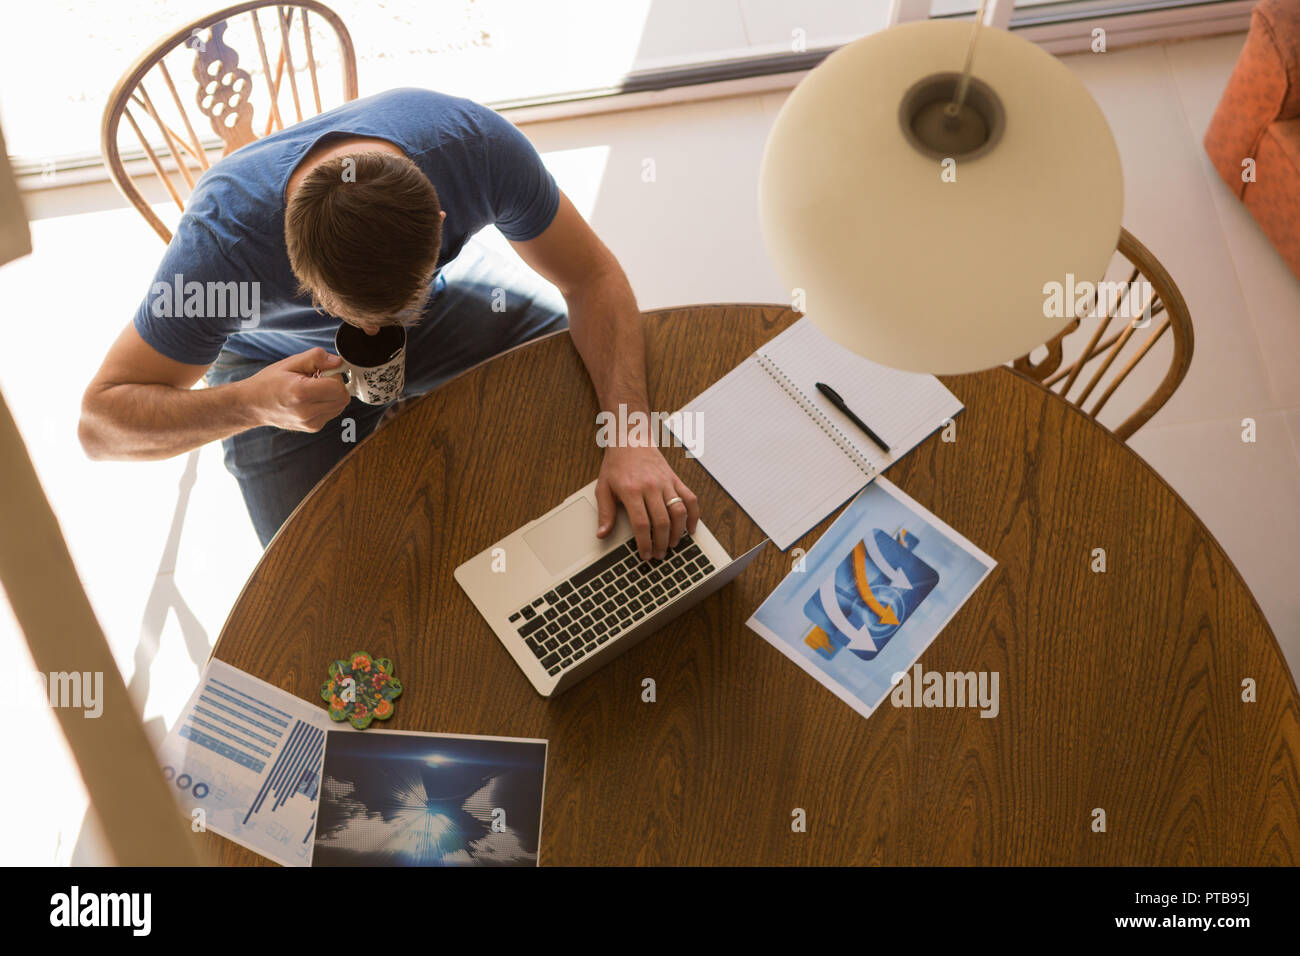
column 838, row 402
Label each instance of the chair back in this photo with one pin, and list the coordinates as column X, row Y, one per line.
column 1147, row 306
column 234, row 66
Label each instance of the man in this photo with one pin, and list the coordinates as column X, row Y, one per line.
column 364, row 214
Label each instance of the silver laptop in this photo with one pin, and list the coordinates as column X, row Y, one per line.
column 565, row 602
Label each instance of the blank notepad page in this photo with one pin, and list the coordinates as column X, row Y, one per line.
column 786, row 454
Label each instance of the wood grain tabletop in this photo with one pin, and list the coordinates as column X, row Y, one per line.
column 1120, row 690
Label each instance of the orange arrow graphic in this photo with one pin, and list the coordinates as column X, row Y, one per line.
column 817, row 639
column 886, row 614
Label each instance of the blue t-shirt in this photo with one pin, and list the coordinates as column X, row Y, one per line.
column 231, row 234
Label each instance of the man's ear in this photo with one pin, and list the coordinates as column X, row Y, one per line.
column 442, row 213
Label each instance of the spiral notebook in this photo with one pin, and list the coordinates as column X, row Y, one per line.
column 783, row 451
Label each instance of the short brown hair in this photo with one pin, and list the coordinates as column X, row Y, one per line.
column 364, row 232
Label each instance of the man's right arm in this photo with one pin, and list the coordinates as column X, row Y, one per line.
column 141, row 406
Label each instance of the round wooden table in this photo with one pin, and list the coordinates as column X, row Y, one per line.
column 1120, row 690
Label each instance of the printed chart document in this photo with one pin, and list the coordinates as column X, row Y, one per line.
column 783, row 451
column 248, row 756
column 874, row 591
column 273, row 773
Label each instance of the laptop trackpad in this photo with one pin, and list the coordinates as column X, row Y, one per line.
column 565, row 537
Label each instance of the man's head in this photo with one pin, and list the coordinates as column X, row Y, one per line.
column 363, row 232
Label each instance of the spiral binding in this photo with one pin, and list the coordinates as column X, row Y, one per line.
column 821, row 421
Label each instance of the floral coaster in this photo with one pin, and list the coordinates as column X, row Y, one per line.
column 361, row 689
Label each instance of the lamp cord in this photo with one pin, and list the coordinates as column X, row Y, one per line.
column 959, row 98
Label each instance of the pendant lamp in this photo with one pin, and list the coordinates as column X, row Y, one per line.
column 923, row 197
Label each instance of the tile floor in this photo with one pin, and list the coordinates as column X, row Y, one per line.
column 162, row 589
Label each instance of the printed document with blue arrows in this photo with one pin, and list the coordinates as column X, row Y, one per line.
column 863, row 605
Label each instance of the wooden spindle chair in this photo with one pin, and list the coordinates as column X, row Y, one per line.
column 1161, row 309
column 227, row 97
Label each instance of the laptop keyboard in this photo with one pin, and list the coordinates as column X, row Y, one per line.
column 605, row 599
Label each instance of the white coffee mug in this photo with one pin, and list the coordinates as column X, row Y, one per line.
column 374, row 366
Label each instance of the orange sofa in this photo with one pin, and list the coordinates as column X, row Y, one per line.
column 1259, row 118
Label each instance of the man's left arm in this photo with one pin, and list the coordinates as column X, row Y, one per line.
column 605, row 325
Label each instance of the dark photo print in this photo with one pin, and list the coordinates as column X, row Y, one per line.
column 403, row 799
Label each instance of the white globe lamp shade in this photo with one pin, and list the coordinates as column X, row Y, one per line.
column 927, row 265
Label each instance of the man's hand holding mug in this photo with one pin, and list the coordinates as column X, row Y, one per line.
column 306, row 391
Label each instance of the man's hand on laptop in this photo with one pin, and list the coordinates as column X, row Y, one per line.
column 641, row 480
column 288, row 395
